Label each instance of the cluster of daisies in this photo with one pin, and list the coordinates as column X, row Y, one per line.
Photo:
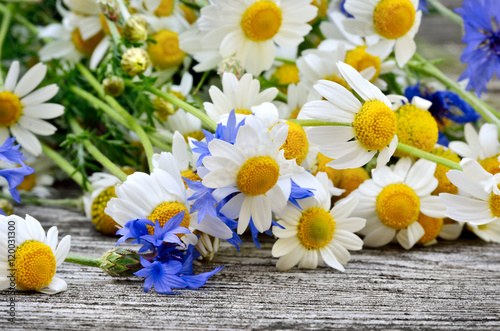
column 309, row 122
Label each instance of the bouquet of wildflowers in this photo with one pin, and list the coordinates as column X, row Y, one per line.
column 188, row 123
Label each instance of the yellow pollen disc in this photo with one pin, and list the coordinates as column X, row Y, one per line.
column 432, row 227
column 190, row 174
column 28, row 182
column 322, row 7
column 286, row 74
column 296, row 145
column 103, row 222
column 444, row 184
column 258, row 175
column 333, row 174
column 86, row 47
column 375, row 125
column 295, row 113
column 198, row 135
column 417, row 128
column 398, row 206
column 261, row 21
column 490, row 164
column 189, row 13
column 35, row 265
column 495, row 204
column 165, row 53
column 338, row 80
column 243, row 111
column 165, row 211
column 350, row 179
column 10, row 108
column 392, row 19
column 316, row 228
column 359, row 59
column 165, row 8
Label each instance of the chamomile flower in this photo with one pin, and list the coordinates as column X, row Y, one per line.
column 253, row 173
column 483, row 147
column 23, row 110
column 238, row 95
column 248, row 29
column 396, row 22
column 482, row 203
column 394, row 198
column 373, row 122
column 488, row 232
column 315, row 65
column 312, row 233
column 36, row 255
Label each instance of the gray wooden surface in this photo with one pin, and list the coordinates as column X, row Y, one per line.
column 452, row 286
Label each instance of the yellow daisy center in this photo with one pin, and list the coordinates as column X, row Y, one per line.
column 243, row 111
column 10, row 108
column 165, row 8
column 295, row 113
column 375, row 125
column 198, row 135
column 338, row 80
column 333, row 174
column 86, row 47
column 444, row 184
column 258, row 175
column 165, row 53
column 359, row 59
column 189, row 13
column 28, row 182
column 350, row 179
column 261, row 21
column 490, row 164
column 398, row 206
column 417, row 128
column 103, row 222
column 315, row 229
column 165, row 211
column 432, row 227
column 286, row 74
column 296, row 145
column 190, row 174
column 392, row 19
column 35, row 265
column 495, row 204
column 322, row 7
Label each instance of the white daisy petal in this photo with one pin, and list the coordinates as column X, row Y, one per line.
column 379, row 237
column 31, row 79
column 56, row 285
column 11, row 78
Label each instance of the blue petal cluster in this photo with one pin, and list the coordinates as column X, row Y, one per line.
column 172, row 263
column 482, row 36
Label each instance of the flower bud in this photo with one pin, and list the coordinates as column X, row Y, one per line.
column 109, row 8
column 135, row 61
column 113, row 86
column 163, row 108
column 136, row 29
column 232, row 65
column 122, row 262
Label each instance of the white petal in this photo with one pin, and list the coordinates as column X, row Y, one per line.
column 31, row 80
column 379, row 237
column 12, row 75
column 63, row 250
column 56, row 285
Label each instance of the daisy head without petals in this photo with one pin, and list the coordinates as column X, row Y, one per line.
column 372, row 123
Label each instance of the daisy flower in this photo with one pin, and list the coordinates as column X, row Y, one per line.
column 482, row 203
column 483, row 147
column 238, row 95
column 373, row 123
column 482, row 27
column 488, row 232
column 23, row 110
column 315, row 65
column 396, row 22
column 253, row 174
column 33, row 264
column 311, row 233
column 394, row 198
column 249, row 29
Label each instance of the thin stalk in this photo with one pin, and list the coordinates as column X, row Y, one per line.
column 77, row 202
column 318, row 123
column 281, row 59
column 4, row 27
column 428, row 156
column 282, row 96
column 202, row 80
column 22, row 20
column 130, row 120
column 83, row 260
column 96, row 153
column 207, row 121
column 446, row 12
column 66, row 167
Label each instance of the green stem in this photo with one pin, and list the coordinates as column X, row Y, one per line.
column 318, row 123
column 428, row 156
column 7, row 16
column 129, row 119
column 446, row 13
column 282, row 96
column 98, row 156
column 429, row 69
column 83, row 260
column 52, row 202
column 207, row 121
column 202, row 80
column 281, row 59
column 66, row 167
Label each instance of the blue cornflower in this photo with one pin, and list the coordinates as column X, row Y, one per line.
column 14, row 176
column 135, row 229
column 204, row 202
column 422, row 5
column 343, row 11
column 298, row 192
column 482, row 35
column 167, row 234
column 162, row 275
